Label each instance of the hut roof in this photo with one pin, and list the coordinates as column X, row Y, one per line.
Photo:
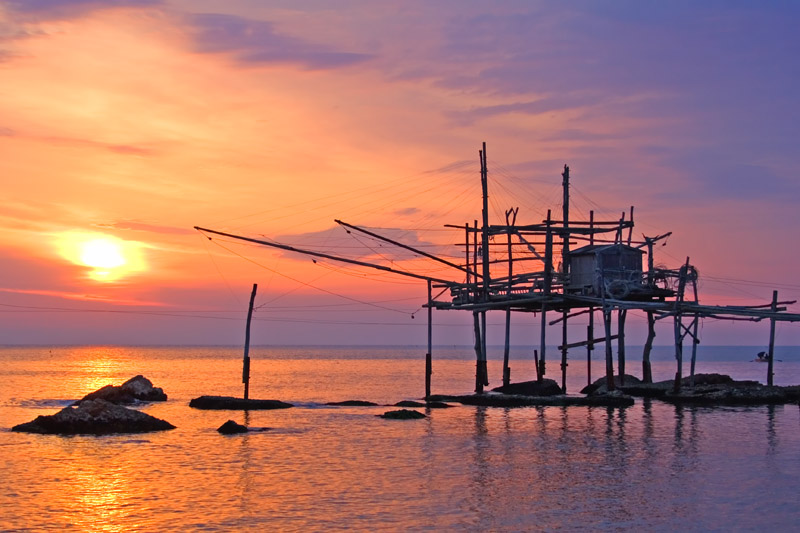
column 596, row 249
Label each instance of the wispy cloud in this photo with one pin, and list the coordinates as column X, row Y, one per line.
column 257, row 42
column 149, row 228
column 86, row 297
column 66, row 9
column 118, row 148
column 353, row 244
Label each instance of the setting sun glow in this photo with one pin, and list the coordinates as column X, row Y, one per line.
column 109, row 258
column 102, row 254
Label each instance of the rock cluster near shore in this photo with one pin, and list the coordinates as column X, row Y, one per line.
column 611, row 399
column 703, row 389
column 232, row 428
column 238, row 404
column 94, row 417
column 102, row 413
column 136, row 389
column 402, row 414
column 545, row 387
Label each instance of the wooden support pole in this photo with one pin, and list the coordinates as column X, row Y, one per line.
column 679, row 298
column 484, row 370
column 485, row 229
column 695, row 340
column 590, row 329
column 564, row 353
column 466, row 252
column 630, row 228
column 548, row 279
column 507, row 349
column 478, row 378
column 536, row 365
column 609, row 356
column 542, row 339
column 678, row 352
column 771, row 353
column 565, row 259
column 246, row 359
column 428, row 355
column 510, row 221
column 647, row 369
column 475, row 259
column 621, row 315
column 589, row 346
column 591, row 342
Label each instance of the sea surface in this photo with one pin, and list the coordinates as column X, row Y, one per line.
column 650, row 467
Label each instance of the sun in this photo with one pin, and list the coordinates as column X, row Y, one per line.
column 102, row 253
column 108, row 258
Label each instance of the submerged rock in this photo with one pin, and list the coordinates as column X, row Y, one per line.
column 229, row 402
column 615, row 399
column 94, row 417
column 429, row 405
column 729, row 394
column 136, row 389
column 353, row 403
column 402, row 414
column 231, row 428
column 708, row 390
column 546, row 387
column 599, row 385
column 437, row 405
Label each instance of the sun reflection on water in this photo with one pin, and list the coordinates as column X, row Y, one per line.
column 98, row 490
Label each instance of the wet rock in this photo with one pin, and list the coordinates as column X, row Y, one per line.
column 353, row 403
column 231, row 428
column 546, row 387
column 94, row 417
column 729, row 394
column 515, row 400
column 402, row 414
column 239, row 404
column 429, row 405
column 136, row 389
column 599, row 385
column 409, row 403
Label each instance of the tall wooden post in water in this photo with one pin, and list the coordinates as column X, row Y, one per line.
column 246, row 360
column 564, row 273
column 429, row 356
column 773, row 308
column 510, row 221
column 481, row 373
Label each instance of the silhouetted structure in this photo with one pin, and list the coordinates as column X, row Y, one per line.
column 511, row 267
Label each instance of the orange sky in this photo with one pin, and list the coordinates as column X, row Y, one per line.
column 125, row 124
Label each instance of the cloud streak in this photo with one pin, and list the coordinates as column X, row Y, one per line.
column 257, row 42
column 41, row 10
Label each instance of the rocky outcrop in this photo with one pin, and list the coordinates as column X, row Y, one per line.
column 429, row 405
column 238, row 404
column 729, row 394
column 545, row 387
column 599, row 385
column 614, row 399
column 402, row 414
column 136, row 389
column 94, row 417
column 353, row 403
column 703, row 389
column 231, row 428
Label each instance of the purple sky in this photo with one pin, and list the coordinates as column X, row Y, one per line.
column 141, row 119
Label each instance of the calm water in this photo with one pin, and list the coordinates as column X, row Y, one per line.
column 649, row 467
